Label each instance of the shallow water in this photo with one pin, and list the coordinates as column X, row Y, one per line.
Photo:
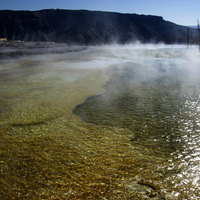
column 110, row 122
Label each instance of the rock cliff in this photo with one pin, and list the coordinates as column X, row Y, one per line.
column 89, row 27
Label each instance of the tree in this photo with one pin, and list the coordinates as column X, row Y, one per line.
column 191, row 38
column 188, row 36
column 199, row 33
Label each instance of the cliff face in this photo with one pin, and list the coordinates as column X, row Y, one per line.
column 88, row 27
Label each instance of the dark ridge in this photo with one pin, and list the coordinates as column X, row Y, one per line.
column 89, row 27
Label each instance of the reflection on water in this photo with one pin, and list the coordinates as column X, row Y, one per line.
column 105, row 123
column 148, row 106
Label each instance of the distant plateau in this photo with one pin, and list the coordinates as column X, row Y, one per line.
column 85, row 27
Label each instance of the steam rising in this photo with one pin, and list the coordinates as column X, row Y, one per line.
column 153, row 61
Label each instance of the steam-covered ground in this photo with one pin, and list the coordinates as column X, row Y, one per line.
column 106, row 122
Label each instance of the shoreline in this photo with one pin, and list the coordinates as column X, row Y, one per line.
column 17, row 48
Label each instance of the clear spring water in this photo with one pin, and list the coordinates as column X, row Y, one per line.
column 109, row 122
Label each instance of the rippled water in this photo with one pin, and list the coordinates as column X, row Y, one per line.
column 105, row 123
column 159, row 103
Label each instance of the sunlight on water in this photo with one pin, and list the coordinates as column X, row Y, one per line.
column 109, row 122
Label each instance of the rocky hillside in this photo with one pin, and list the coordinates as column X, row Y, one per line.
column 89, row 27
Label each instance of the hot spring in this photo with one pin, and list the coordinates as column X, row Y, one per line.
column 107, row 122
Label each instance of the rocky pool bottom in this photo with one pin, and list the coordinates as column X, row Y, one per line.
column 100, row 133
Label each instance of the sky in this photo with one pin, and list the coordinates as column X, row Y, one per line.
column 182, row 12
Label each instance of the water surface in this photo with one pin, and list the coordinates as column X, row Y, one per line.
column 108, row 122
